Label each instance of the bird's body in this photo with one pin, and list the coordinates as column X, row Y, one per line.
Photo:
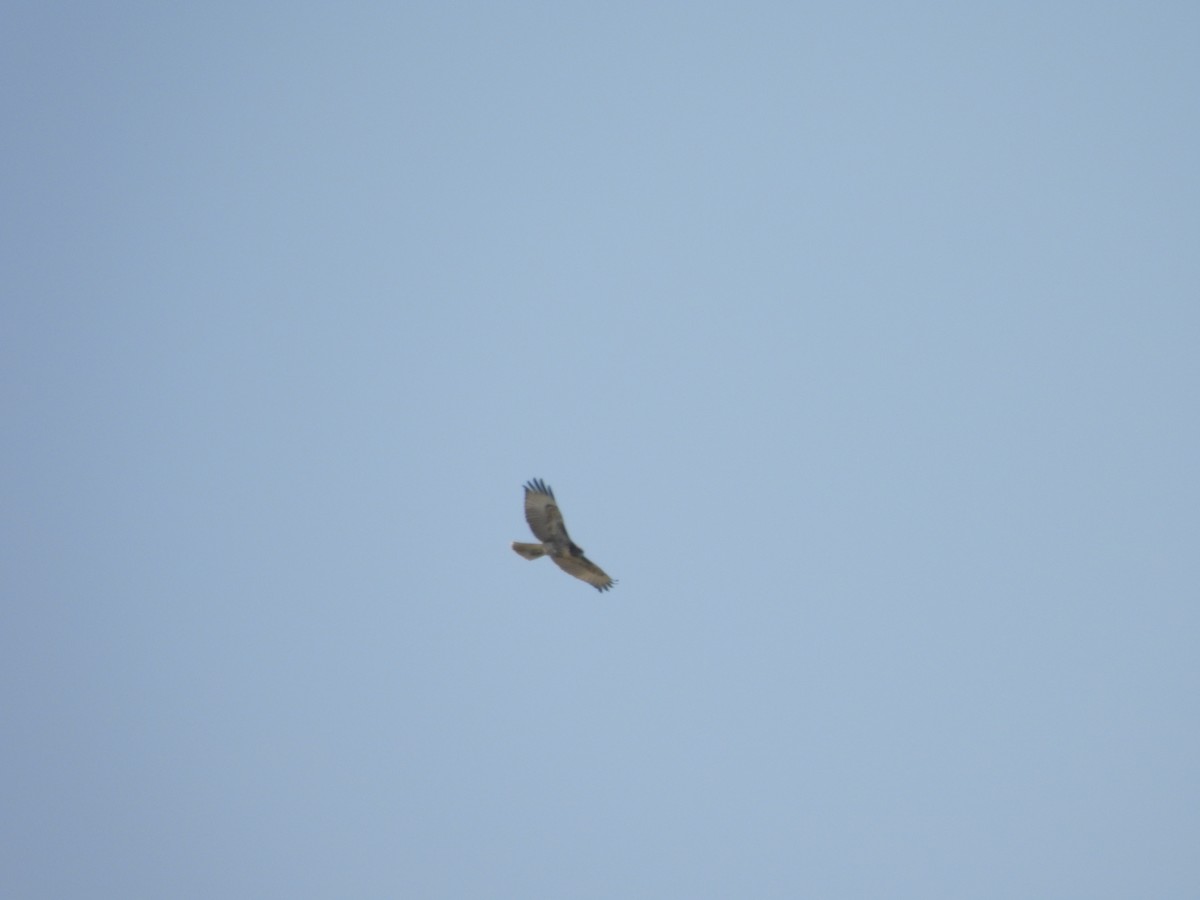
column 546, row 522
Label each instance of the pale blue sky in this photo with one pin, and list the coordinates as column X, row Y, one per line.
column 861, row 342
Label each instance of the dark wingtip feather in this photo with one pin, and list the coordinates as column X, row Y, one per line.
column 537, row 486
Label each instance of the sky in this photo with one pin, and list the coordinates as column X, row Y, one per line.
column 858, row 341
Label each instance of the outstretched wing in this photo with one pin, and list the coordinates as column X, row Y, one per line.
column 583, row 568
column 541, row 512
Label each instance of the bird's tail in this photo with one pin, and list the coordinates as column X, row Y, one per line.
column 529, row 551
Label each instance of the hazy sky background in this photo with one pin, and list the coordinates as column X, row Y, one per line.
column 860, row 341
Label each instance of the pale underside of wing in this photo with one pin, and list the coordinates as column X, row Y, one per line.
column 584, row 569
column 542, row 513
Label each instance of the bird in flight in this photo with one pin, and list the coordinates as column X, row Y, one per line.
column 546, row 523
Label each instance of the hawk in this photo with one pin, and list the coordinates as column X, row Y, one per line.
column 546, row 523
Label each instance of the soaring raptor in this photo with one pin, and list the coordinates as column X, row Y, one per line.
column 546, row 523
